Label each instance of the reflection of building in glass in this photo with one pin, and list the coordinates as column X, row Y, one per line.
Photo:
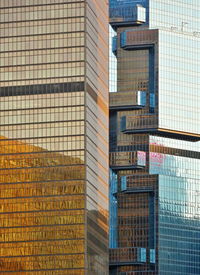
column 154, row 138
column 53, row 137
column 112, row 60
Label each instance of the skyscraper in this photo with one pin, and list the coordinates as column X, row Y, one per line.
column 154, row 138
column 54, row 137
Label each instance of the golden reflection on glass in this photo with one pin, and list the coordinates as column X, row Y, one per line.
column 53, row 122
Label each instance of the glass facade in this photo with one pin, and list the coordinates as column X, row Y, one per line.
column 179, row 82
column 156, row 203
column 179, row 217
column 125, row 12
column 112, row 60
column 54, row 137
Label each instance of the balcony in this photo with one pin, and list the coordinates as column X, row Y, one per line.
column 138, row 183
column 138, row 123
column 136, row 39
column 128, row 255
column 127, row 15
column 138, row 189
column 127, row 160
column 127, row 100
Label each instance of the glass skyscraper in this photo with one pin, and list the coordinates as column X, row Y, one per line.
column 54, row 137
column 154, row 138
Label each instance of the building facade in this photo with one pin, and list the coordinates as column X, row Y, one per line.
column 154, row 138
column 54, row 137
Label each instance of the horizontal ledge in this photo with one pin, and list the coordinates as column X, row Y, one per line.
column 115, row 24
column 165, row 133
column 125, row 263
column 186, row 135
column 138, row 190
column 136, row 131
column 135, row 167
column 126, row 107
column 132, row 191
column 139, row 46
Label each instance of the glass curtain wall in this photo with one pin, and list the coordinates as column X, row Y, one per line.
column 54, row 212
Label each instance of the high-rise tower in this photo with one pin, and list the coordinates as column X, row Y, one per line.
column 54, row 137
column 154, row 138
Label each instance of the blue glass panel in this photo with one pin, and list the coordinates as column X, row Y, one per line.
column 126, row 9
column 152, row 256
column 123, row 123
column 123, row 39
column 123, row 183
column 113, row 210
column 141, row 98
column 114, row 44
column 141, row 257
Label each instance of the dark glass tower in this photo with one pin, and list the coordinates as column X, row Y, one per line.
column 54, row 137
column 154, row 138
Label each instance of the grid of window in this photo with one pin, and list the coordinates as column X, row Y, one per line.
column 97, row 136
column 157, row 206
column 179, row 205
column 42, row 43
column 53, row 137
column 112, row 62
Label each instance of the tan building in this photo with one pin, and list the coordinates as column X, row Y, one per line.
column 155, row 138
column 54, row 137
